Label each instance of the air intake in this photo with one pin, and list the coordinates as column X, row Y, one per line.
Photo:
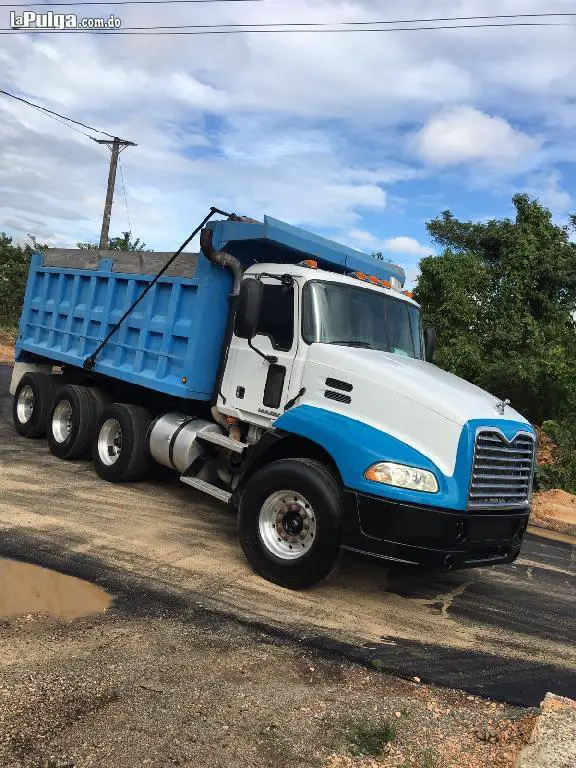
column 340, row 397
column 337, row 384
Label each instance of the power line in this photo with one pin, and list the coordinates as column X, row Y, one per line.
column 185, row 30
column 50, row 112
column 346, row 24
column 124, row 191
column 72, row 128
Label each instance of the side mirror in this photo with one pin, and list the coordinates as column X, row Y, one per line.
column 248, row 308
column 430, row 339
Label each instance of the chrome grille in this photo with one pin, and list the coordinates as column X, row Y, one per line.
column 502, row 471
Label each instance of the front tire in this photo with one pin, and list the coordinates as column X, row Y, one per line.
column 290, row 522
column 120, row 448
column 32, row 404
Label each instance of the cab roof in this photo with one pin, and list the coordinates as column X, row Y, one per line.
column 274, row 241
column 330, row 277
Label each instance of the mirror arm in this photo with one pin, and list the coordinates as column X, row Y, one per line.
column 269, row 358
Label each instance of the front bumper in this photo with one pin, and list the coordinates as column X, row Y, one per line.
column 429, row 536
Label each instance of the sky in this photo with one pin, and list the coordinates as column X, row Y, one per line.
column 360, row 137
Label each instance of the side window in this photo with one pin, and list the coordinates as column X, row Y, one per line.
column 277, row 316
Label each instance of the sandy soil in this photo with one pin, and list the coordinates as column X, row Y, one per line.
column 146, row 684
column 556, row 510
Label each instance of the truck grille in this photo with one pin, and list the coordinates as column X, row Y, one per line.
column 502, row 471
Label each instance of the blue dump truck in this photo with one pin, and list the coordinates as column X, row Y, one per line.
column 283, row 374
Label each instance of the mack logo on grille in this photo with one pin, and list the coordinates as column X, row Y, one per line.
column 502, row 471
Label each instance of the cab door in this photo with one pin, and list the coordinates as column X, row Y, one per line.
column 254, row 387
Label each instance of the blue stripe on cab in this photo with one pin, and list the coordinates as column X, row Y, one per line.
column 355, row 446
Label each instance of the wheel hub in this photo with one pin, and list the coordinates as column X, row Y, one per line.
column 287, row 524
column 110, row 442
column 62, row 421
column 25, row 404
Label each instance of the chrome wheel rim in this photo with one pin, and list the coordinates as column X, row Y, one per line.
column 287, row 525
column 62, row 421
column 110, row 442
column 25, row 404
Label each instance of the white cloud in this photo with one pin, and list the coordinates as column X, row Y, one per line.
column 466, row 135
column 407, row 245
column 547, row 187
column 307, row 127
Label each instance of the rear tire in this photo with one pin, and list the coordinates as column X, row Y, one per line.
column 120, row 446
column 32, row 404
column 290, row 522
column 72, row 422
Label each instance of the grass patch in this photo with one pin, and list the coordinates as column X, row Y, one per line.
column 367, row 739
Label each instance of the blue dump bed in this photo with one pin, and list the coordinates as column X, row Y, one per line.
column 172, row 341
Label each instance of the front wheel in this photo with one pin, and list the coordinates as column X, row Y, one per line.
column 290, row 522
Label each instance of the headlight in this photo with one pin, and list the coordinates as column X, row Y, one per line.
column 402, row 476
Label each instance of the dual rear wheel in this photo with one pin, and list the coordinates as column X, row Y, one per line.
column 80, row 421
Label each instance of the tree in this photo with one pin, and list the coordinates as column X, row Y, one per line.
column 124, row 243
column 14, row 264
column 502, row 296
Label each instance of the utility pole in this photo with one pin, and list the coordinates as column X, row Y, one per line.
column 115, row 146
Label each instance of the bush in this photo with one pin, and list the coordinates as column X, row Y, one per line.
column 14, row 263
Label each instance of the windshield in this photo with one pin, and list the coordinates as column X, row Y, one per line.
column 334, row 313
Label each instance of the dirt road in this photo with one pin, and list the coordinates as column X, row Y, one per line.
column 504, row 632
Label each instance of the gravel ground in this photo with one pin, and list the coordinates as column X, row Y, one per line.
column 164, row 687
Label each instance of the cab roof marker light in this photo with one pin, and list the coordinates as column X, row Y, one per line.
column 385, row 283
column 359, row 275
column 310, row 263
column 408, row 293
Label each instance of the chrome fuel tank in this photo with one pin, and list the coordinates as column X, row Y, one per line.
column 172, row 439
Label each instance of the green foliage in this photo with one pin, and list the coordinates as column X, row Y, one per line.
column 562, row 473
column 502, row 296
column 365, row 738
column 124, row 243
column 14, row 263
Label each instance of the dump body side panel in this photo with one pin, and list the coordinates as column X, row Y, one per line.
column 170, row 343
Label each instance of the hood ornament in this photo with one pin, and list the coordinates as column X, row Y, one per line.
column 501, row 406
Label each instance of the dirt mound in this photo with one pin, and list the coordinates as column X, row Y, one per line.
column 555, row 509
column 547, row 449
